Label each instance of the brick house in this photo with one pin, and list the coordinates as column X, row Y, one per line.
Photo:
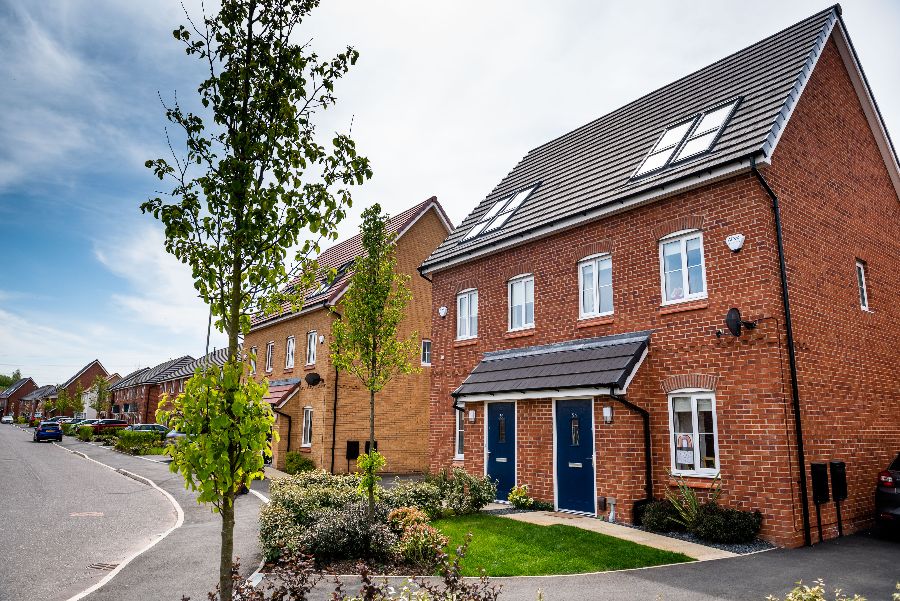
column 89, row 398
column 324, row 413
column 81, row 382
column 33, row 402
column 579, row 333
column 136, row 396
column 173, row 383
column 11, row 396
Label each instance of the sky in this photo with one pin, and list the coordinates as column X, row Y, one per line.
column 445, row 100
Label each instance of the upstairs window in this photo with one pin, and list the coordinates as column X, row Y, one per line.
column 688, row 138
column 311, row 340
column 499, row 213
column 289, row 353
column 467, row 315
column 270, row 351
column 682, row 267
column 861, row 282
column 595, row 284
column 426, row 353
column 253, row 361
column 521, row 303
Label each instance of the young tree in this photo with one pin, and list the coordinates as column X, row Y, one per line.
column 100, row 399
column 253, row 183
column 364, row 341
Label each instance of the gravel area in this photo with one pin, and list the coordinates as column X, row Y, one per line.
column 738, row 548
column 503, row 511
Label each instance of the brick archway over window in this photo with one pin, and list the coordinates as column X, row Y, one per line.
column 598, row 247
column 679, row 382
column 518, row 268
column 464, row 285
column 689, row 222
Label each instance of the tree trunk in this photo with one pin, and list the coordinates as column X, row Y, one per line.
column 371, row 511
column 227, row 550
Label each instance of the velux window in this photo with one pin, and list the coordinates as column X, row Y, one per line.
column 467, row 314
column 499, row 213
column 521, row 302
column 688, row 138
column 682, row 267
column 595, row 284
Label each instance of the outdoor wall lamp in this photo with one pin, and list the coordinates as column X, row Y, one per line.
column 471, row 416
column 608, row 414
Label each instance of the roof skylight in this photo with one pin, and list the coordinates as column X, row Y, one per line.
column 499, row 213
column 687, row 138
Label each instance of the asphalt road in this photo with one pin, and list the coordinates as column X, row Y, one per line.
column 184, row 563
column 60, row 513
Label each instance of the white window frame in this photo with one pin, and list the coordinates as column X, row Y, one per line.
column 459, row 426
column 694, row 394
column 253, row 361
column 861, row 285
column 523, row 281
column 426, row 352
column 595, row 260
column 312, row 340
column 682, row 237
column 270, row 355
column 290, row 347
column 471, row 296
column 306, row 436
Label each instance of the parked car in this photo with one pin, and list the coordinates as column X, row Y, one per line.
column 105, row 425
column 48, row 431
column 86, row 422
column 148, row 428
column 887, row 495
column 173, row 436
column 6, row 419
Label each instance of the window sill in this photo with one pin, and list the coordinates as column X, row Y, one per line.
column 519, row 333
column 701, row 481
column 306, row 449
column 692, row 305
column 459, row 457
column 288, row 370
column 588, row 322
column 465, row 342
column 309, row 367
column 426, row 365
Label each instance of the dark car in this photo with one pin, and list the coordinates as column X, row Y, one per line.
column 887, row 495
column 48, row 431
column 104, row 425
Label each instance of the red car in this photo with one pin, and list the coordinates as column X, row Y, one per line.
column 109, row 424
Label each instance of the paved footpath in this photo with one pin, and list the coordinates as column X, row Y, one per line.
column 185, row 562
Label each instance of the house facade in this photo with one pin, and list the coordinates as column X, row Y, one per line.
column 81, row 382
column 173, row 383
column 89, row 399
column 323, row 413
column 32, row 404
column 11, row 396
column 579, row 334
column 135, row 397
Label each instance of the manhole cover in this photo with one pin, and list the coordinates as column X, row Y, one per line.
column 86, row 514
column 108, row 567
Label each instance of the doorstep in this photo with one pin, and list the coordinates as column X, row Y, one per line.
column 649, row 539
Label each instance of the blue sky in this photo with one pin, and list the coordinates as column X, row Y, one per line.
column 444, row 101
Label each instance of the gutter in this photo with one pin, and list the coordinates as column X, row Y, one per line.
column 792, row 355
column 648, row 455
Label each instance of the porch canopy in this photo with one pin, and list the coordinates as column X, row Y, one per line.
column 588, row 367
column 281, row 391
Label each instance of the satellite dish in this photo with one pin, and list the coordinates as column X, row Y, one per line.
column 313, row 379
column 734, row 323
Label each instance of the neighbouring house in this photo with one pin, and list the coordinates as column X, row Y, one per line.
column 11, row 396
column 174, row 382
column 135, row 397
column 325, row 414
column 89, row 398
column 32, row 404
column 82, row 381
column 579, row 336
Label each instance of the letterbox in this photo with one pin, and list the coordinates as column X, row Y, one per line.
column 820, row 483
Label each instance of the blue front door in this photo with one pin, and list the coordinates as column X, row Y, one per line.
column 575, row 456
column 501, row 446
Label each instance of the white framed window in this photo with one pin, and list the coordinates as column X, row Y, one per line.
column 289, row 353
column 467, row 314
column 253, row 361
column 861, row 282
column 682, row 268
column 426, row 352
column 595, row 287
column 311, row 342
column 521, row 303
column 693, row 436
column 307, row 427
column 458, row 432
column 270, row 352
column 181, row 382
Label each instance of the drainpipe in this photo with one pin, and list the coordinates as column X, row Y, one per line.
column 648, row 455
column 792, row 357
column 334, row 407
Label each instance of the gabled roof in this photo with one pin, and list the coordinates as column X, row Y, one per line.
column 40, row 393
column 589, row 172
column 217, row 357
column 341, row 256
column 162, row 371
column 74, row 378
column 129, row 379
column 8, row 392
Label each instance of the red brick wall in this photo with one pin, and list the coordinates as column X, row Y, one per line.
column 838, row 205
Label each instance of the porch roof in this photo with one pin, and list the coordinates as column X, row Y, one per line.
column 607, row 362
column 280, row 391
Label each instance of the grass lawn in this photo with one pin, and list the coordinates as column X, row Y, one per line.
column 505, row 547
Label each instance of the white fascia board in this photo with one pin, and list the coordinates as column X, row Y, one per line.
column 549, row 393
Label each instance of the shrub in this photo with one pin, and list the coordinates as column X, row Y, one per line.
column 817, row 593
column 68, row 429
column 660, row 516
column 85, row 433
column 295, row 462
column 468, row 494
column 727, row 524
column 519, row 498
column 421, row 544
column 405, row 517
column 688, row 505
column 307, row 492
column 279, row 535
column 21, row 419
column 423, row 495
column 346, row 533
column 137, row 442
